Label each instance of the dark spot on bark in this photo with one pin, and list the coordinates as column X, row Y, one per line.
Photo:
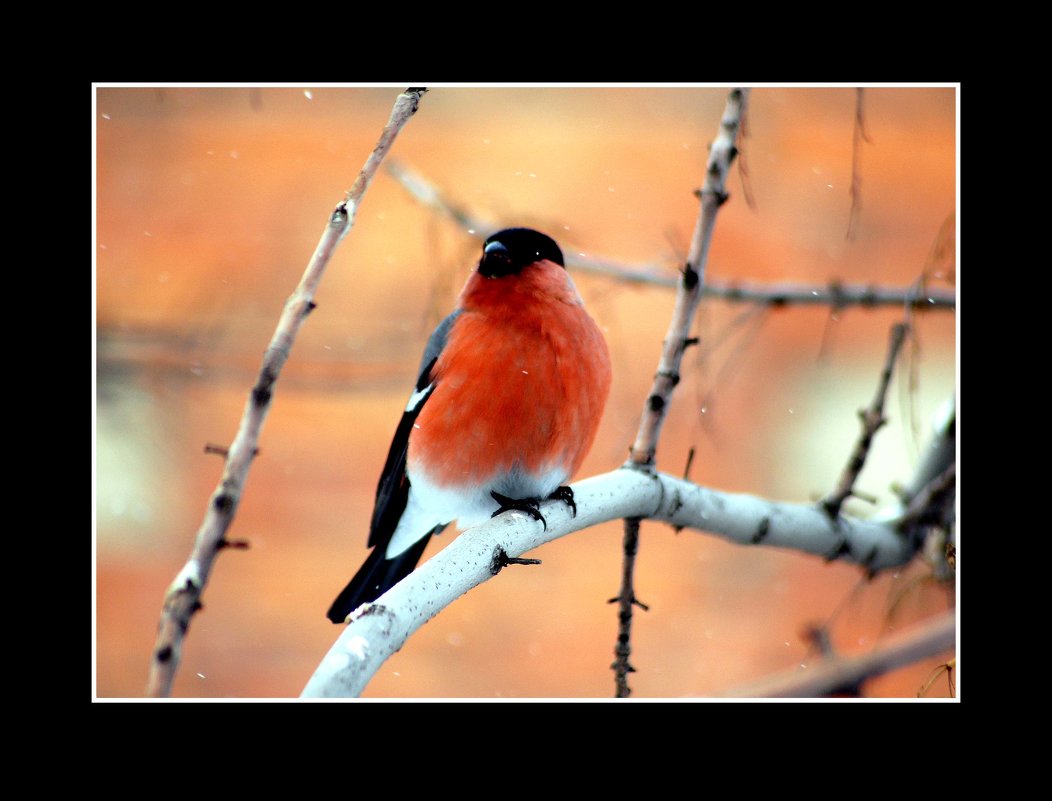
column 761, row 531
column 675, row 506
column 842, row 549
column 672, row 377
column 262, row 392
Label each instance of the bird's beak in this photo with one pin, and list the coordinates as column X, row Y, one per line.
column 496, row 260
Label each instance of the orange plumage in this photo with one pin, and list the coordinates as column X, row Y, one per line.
column 511, row 389
column 521, row 382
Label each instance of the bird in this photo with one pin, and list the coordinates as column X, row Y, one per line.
column 509, row 395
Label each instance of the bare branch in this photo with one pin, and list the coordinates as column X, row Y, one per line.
column 925, row 508
column 625, row 600
column 843, row 674
column 939, row 454
column 927, row 505
column 858, row 137
column 428, row 195
column 946, row 668
column 183, row 598
column 743, row 167
column 872, row 420
column 381, row 628
column 692, row 280
column 835, row 294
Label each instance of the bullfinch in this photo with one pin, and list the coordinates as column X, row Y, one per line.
column 510, row 391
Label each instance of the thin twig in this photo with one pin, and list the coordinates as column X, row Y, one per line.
column 842, row 674
column 625, row 600
column 427, row 194
column 947, row 667
column 689, row 464
column 929, row 505
column 743, row 167
column 872, row 420
column 858, row 137
column 833, row 294
column 751, row 322
column 925, row 504
column 184, row 595
column 939, row 454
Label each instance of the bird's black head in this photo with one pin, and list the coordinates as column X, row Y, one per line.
column 508, row 251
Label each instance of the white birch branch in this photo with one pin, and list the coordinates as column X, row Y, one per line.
column 381, row 628
column 183, row 597
column 940, row 453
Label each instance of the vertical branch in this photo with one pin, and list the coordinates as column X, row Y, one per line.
column 872, row 420
column 743, row 167
column 858, row 137
column 625, row 601
column 183, row 597
column 939, row 454
column 712, row 195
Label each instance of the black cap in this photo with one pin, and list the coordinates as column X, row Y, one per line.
column 507, row 252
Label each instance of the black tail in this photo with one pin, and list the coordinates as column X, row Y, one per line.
column 377, row 576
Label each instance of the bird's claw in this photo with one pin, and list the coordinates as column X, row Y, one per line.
column 527, row 505
column 565, row 494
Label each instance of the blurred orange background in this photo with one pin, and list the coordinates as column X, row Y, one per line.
column 209, row 203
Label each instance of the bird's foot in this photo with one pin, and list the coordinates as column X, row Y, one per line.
column 565, row 494
column 527, row 505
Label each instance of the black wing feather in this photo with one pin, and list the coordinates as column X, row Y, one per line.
column 392, row 491
column 379, row 574
column 376, row 577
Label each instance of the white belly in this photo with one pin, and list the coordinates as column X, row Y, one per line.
column 431, row 505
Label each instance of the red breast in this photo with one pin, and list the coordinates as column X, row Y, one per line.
column 521, row 383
